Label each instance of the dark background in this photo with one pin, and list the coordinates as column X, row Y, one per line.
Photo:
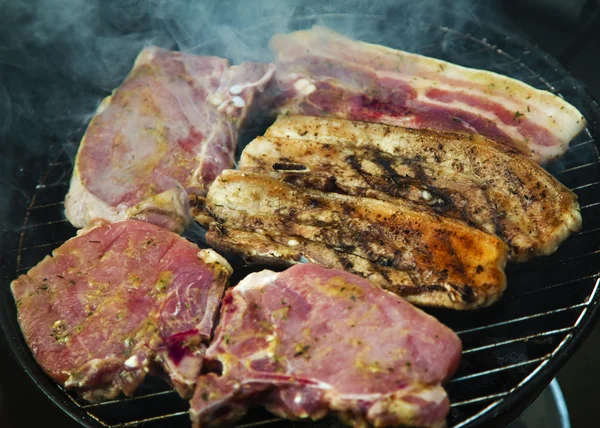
column 567, row 29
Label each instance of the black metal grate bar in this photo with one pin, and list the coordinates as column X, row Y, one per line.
column 146, row 420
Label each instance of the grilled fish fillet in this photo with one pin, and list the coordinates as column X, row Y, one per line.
column 428, row 259
column 467, row 177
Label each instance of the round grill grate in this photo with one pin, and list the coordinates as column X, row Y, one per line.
column 511, row 350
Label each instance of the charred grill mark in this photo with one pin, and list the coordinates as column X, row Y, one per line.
column 383, row 242
column 398, row 186
column 354, row 163
column 420, row 175
column 278, row 166
column 385, row 261
column 347, row 264
column 355, row 239
column 467, row 294
column 341, row 258
column 210, row 213
column 419, row 289
column 331, row 186
column 496, row 218
column 443, row 203
column 385, row 162
column 219, row 229
column 314, row 203
column 196, row 201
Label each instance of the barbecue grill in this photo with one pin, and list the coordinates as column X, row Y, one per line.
column 512, row 350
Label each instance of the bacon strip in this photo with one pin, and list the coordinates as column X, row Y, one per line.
column 427, row 259
column 467, row 177
column 322, row 73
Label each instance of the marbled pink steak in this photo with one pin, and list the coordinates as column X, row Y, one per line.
column 166, row 132
column 117, row 302
column 311, row 340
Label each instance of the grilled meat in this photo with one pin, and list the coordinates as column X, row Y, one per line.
column 118, row 301
column 311, row 341
column 466, row 177
column 428, row 259
column 321, row 73
column 167, row 131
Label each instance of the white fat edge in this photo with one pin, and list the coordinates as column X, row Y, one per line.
column 539, row 98
column 431, row 394
column 211, row 257
column 238, row 101
column 217, row 100
column 256, row 280
column 547, row 152
column 174, row 373
column 304, row 86
column 171, row 201
column 132, row 362
column 237, row 89
column 92, row 366
column 82, row 206
column 104, row 104
column 547, row 113
column 146, row 56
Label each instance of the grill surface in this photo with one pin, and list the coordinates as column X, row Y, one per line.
column 511, row 350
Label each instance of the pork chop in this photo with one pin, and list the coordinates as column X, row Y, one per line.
column 311, row 341
column 117, row 302
column 166, row 132
column 428, row 259
column 322, row 73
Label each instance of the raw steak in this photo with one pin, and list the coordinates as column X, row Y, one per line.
column 167, row 131
column 320, row 72
column 311, row 340
column 119, row 301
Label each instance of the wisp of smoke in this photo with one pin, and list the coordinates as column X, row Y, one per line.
column 59, row 58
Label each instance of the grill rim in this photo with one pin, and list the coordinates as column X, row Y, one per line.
column 501, row 409
column 23, row 355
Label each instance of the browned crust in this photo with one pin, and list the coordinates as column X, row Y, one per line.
column 472, row 178
column 430, row 260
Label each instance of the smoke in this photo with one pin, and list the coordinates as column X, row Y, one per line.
column 59, row 58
